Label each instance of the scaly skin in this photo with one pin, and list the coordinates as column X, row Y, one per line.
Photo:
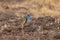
column 23, row 23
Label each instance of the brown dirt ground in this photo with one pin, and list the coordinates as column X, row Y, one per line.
column 44, row 24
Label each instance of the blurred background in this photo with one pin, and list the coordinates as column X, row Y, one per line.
column 36, row 7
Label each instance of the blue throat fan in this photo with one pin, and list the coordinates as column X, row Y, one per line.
column 28, row 18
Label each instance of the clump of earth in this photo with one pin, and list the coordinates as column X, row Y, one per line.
column 41, row 28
